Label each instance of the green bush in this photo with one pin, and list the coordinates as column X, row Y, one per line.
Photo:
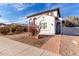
column 13, row 29
column 4, row 30
column 17, row 29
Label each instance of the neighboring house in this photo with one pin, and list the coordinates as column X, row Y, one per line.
column 48, row 21
column 2, row 25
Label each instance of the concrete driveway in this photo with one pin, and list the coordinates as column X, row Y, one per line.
column 10, row 47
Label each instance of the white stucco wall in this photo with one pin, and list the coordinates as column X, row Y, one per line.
column 48, row 17
column 50, row 30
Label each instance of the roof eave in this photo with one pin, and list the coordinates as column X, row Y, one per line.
column 45, row 12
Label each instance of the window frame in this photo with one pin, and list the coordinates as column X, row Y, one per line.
column 43, row 25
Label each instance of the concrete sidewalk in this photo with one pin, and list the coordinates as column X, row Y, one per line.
column 14, row 48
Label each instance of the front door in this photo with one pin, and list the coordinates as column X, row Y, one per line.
column 58, row 28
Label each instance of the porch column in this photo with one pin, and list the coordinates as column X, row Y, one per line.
column 61, row 25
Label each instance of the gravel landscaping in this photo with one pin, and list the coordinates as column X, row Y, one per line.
column 69, row 45
column 27, row 40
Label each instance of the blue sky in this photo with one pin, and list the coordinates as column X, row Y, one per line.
column 17, row 12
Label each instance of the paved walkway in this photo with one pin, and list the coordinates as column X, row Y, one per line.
column 53, row 44
column 14, row 48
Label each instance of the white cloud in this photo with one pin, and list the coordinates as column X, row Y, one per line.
column 21, row 6
column 2, row 20
column 22, row 20
column 18, row 6
column 3, row 4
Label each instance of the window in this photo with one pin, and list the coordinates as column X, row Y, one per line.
column 43, row 25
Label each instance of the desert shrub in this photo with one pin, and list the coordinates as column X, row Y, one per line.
column 13, row 28
column 33, row 30
column 24, row 29
column 71, row 21
column 4, row 30
column 17, row 29
column 68, row 23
